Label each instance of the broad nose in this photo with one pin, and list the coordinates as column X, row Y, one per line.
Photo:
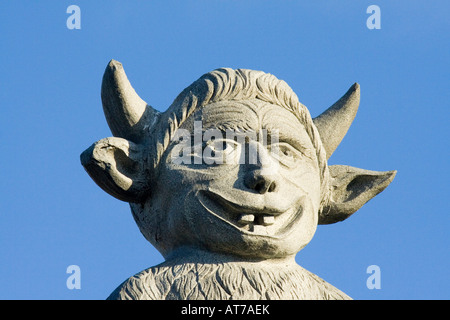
column 262, row 169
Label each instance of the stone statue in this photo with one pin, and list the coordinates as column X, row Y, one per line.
column 229, row 184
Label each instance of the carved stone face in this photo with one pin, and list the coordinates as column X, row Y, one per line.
column 265, row 200
column 262, row 203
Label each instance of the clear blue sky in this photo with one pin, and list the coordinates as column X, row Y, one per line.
column 52, row 214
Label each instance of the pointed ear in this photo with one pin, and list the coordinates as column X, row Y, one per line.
column 351, row 188
column 117, row 166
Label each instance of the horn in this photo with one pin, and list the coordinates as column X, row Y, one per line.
column 334, row 122
column 126, row 113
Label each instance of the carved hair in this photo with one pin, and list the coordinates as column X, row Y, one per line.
column 186, row 280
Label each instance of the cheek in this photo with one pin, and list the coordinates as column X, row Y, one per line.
column 304, row 231
column 178, row 185
column 195, row 177
column 306, row 179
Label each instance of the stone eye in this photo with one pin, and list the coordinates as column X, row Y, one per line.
column 220, row 151
column 286, row 154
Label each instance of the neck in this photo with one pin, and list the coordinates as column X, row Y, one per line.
column 198, row 255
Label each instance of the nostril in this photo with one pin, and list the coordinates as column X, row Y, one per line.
column 272, row 187
column 264, row 185
column 259, row 187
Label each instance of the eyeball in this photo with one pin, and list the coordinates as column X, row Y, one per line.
column 220, row 151
column 286, row 154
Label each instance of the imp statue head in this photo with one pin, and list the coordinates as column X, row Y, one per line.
column 235, row 171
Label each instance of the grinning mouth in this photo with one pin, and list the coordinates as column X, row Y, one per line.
column 253, row 220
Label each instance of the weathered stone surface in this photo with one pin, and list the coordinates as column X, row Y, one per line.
column 199, row 276
column 229, row 184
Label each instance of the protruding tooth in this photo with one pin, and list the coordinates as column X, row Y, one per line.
column 268, row 220
column 259, row 229
column 246, row 218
